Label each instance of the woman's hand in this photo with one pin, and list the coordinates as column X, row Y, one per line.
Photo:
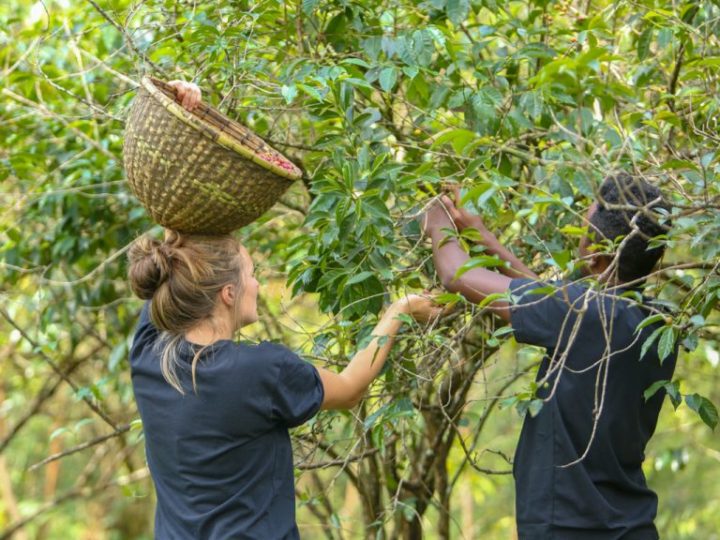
column 188, row 93
column 344, row 390
column 420, row 307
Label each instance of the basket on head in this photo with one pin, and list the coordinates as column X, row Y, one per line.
column 199, row 172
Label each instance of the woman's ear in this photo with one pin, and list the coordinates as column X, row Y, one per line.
column 227, row 295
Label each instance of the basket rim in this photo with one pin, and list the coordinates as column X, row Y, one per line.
column 218, row 135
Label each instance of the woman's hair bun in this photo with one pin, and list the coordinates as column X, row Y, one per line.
column 150, row 266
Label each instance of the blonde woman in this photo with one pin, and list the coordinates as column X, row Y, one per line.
column 216, row 412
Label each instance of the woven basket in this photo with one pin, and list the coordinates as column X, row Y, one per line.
column 199, row 172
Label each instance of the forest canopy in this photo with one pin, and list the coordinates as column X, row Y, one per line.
column 527, row 105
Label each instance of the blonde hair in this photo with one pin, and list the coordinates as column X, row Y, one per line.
column 182, row 277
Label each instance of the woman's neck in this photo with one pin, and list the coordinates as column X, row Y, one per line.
column 209, row 331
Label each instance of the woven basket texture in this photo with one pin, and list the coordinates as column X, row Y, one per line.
column 198, row 172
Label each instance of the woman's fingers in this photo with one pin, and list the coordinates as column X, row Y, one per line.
column 194, row 97
column 191, row 97
column 188, row 94
column 424, row 309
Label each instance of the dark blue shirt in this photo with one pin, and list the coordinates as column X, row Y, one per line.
column 221, row 459
column 594, row 366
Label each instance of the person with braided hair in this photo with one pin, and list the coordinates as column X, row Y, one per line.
column 216, row 412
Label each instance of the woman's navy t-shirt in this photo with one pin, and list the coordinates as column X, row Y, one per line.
column 221, row 459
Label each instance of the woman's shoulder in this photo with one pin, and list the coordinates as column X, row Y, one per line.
column 263, row 351
column 233, row 363
column 145, row 333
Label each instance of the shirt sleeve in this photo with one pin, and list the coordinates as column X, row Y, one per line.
column 145, row 332
column 298, row 391
column 544, row 314
column 145, row 315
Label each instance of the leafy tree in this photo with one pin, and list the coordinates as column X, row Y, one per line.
column 527, row 104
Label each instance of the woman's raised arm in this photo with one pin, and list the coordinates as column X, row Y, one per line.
column 344, row 390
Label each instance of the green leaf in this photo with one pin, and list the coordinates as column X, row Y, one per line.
column 649, row 341
column 479, row 261
column 458, row 138
column 360, row 83
column 329, row 277
column 289, row 93
column 652, row 319
column 448, row 298
column 666, row 344
column 472, row 234
column 402, row 407
column 457, row 10
column 374, row 417
column 535, row 406
column 654, row 387
column 308, row 6
column 416, row 48
column 572, row 230
column 388, row 77
column 13, row 234
column 372, row 46
column 704, row 407
column 56, row 433
column 536, row 50
column 410, row 71
column 310, row 91
column 691, row 342
column 672, row 389
column 361, row 276
column 404, row 317
column 118, row 354
column 490, row 298
column 83, row 422
column 508, row 402
column 503, row 331
column 356, row 62
column 643, row 43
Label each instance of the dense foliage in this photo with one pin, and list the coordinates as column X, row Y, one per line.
column 527, row 104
